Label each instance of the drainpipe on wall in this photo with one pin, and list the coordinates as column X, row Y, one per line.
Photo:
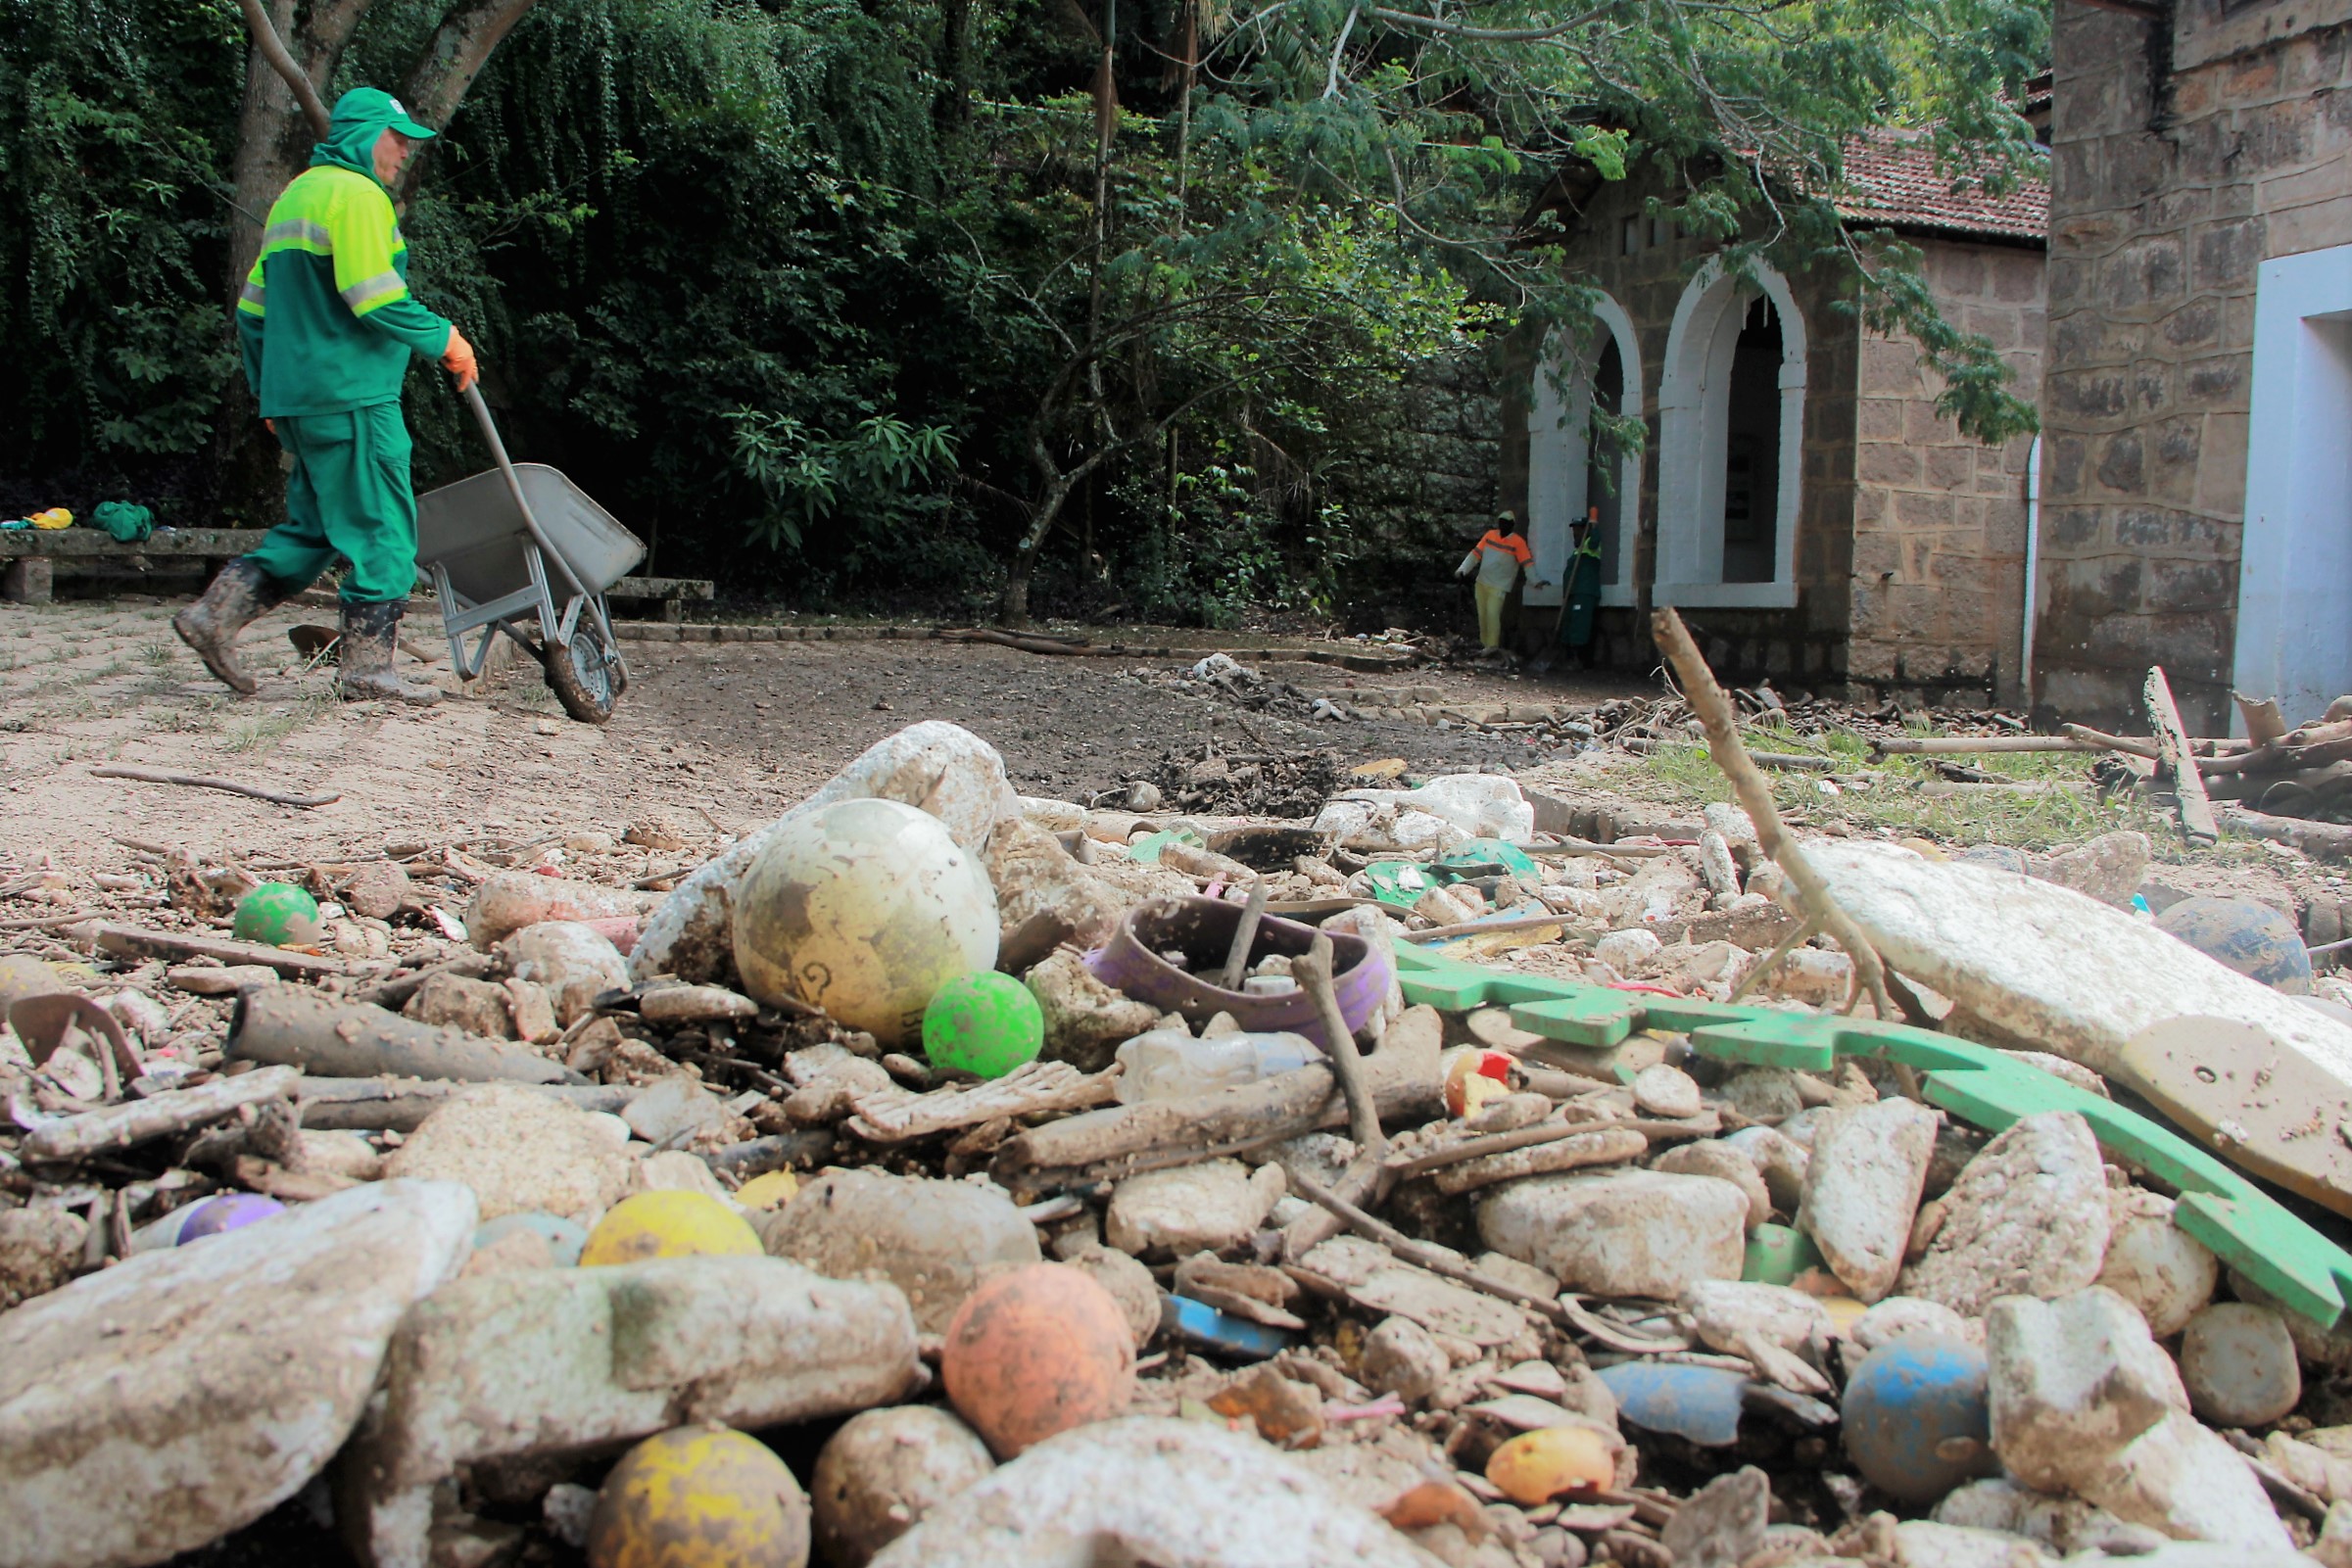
column 2025, row 652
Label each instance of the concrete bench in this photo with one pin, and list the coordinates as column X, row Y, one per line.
column 35, row 557
column 670, row 593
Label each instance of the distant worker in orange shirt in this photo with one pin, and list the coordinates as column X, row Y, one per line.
column 1496, row 560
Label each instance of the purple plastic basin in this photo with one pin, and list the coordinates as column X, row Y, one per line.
column 1202, row 930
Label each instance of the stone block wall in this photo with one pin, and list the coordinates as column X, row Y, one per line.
column 1939, row 517
column 1424, row 490
column 2169, row 187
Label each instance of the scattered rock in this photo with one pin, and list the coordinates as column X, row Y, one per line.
column 1862, row 1186
column 2238, row 1366
column 518, row 1151
column 658, row 830
column 1630, row 1233
column 1627, row 950
column 531, row 1011
column 2109, row 868
column 1127, row 1282
column 196, row 1388
column 2065, row 1525
column 223, row 980
column 478, row 1007
column 694, row 1004
column 1779, row 1159
column 1764, row 1095
column 39, row 1250
column 1713, row 1157
column 377, row 889
column 1401, row 1358
column 1901, row 1316
column 1203, row 1208
column 931, row 1239
column 1086, row 1020
column 1722, row 1523
column 677, row 1109
column 884, row 1471
column 1668, row 1092
column 2153, row 1263
column 576, row 963
column 2027, row 1217
column 1925, row 1543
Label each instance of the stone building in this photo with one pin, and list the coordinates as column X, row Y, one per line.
column 1797, row 496
column 2197, row 415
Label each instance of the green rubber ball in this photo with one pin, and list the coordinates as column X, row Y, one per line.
column 278, row 914
column 984, row 1024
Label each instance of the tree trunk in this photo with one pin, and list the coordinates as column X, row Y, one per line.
column 274, row 145
column 1025, row 553
column 955, row 43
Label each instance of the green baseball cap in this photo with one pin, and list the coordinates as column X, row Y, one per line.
column 372, row 106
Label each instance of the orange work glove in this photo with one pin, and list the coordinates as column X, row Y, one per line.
column 458, row 360
column 270, row 425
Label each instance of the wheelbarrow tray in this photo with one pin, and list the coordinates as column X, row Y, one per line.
column 474, row 532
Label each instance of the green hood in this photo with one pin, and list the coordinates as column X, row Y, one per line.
column 361, row 117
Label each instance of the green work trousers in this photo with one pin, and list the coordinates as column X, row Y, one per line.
column 348, row 495
column 1491, row 600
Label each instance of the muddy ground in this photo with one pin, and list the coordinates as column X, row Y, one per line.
column 735, row 731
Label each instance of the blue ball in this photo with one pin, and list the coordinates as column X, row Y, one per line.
column 1917, row 1423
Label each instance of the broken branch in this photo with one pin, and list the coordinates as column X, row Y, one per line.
column 203, row 780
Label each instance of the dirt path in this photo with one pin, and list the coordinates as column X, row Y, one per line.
column 737, row 730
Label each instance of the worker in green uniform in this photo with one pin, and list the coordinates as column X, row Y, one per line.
column 326, row 325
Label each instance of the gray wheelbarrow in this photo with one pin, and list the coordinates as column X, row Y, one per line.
column 524, row 542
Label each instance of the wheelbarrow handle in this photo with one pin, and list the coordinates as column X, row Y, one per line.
column 514, row 487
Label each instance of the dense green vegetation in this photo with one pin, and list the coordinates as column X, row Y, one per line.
column 1100, row 305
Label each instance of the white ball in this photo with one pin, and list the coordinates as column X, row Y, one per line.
column 865, row 909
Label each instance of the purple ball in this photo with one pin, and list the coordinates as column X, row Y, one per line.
column 232, row 1210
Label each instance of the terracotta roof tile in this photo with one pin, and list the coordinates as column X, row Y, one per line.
column 1893, row 182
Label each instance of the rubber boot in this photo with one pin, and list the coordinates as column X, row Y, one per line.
column 371, row 636
column 209, row 626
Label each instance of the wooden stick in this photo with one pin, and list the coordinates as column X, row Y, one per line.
column 2327, row 839
column 1977, row 745
column 394, row 992
column 1313, row 972
column 201, row 781
column 2197, row 825
column 1420, row 1254
column 1770, row 960
column 135, row 942
column 173, row 1110
column 1245, row 935
column 2265, row 724
column 1543, row 1132
column 1814, row 898
column 1517, row 923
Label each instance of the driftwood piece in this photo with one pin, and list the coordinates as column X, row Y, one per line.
column 2325, row 839
column 204, row 781
column 1036, row 1088
column 1589, row 1146
column 1365, row 1179
column 401, row 1105
column 1811, row 893
column 156, row 1116
column 756, row 1157
column 289, row 1025
column 1975, row 745
column 2263, row 719
column 135, row 942
column 2197, row 825
column 1402, row 1076
column 396, row 992
column 1420, row 1254
column 1245, row 936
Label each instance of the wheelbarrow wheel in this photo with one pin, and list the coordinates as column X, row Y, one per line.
column 586, row 676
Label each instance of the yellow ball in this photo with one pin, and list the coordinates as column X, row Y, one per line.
column 668, row 1223
column 699, row 1496
column 770, row 1190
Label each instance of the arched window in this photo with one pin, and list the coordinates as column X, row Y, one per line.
column 1731, row 440
column 1566, row 477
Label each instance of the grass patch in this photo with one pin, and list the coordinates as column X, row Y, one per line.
column 158, row 652
column 1891, row 793
column 264, row 733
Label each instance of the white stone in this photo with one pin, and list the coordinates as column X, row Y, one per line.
column 1924, row 1544
column 1192, row 1208
column 2109, row 868
column 1727, row 1310
column 1402, row 1358
column 1711, row 1157
column 2153, row 1263
column 559, row 1363
column 931, row 1239
column 2065, row 1525
column 575, row 962
column 1901, row 1316
column 1151, row 1490
column 1863, row 1187
column 2180, row 1478
column 676, row 1170
column 1779, row 1159
column 519, row 1152
column 2027, row 1217
column 1628, row 1233
column 2070, row 1382
column 2238, row 1366
column 674, row 1107
column 1660, row 1090
column 2048, row 965
column 161, row 1403
column 1626, row 950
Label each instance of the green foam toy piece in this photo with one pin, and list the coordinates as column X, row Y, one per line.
column 278, row 914
column 984, row 1024
column 2219, row 1205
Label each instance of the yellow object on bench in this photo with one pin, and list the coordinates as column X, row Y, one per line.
column 54, row 517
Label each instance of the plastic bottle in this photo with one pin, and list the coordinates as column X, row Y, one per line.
column 1171, row 1065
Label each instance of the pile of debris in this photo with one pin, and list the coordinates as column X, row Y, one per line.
column 1054, row 1183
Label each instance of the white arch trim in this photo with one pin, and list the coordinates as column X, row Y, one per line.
column 1693, row 404
column 1559, row 460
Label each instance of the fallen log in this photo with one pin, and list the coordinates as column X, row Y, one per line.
column 2325, row 839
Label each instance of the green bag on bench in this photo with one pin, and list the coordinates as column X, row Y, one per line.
column 128, row 522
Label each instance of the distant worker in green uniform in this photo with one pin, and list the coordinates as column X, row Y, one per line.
column 1497, row 559
column 327, row 326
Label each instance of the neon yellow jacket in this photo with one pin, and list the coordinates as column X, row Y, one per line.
column 325, row 321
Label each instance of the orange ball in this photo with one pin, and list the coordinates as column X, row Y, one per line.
column 1036, row 1351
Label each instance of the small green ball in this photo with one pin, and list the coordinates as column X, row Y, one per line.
column 984, row 1024
column 278, row 914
